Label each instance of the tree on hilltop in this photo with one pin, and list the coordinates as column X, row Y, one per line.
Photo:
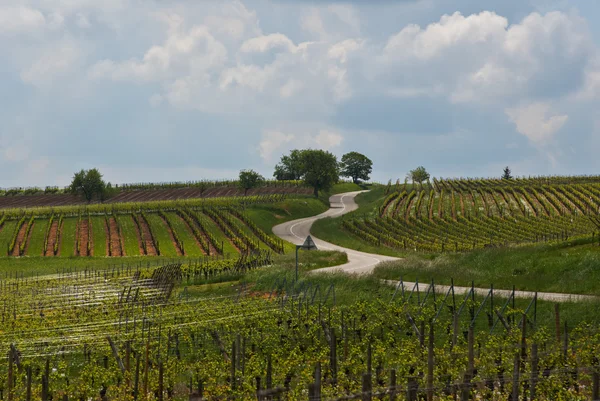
column 290, row 167
column 318, row 169
column 418, row 175
column 357, row 166
column 88, row 183
column 507, row 174
column 250, row 179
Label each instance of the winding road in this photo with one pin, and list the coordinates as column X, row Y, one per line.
column 296, row 232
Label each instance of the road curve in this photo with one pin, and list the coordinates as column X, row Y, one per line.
column 296, row 231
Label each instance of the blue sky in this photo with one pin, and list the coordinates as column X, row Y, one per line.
column 180, row 90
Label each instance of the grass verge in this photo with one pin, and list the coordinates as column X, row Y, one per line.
column 567, row 268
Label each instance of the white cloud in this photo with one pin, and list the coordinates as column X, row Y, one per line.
column 290, row 88
column 196, row 50
column 83, row 22
column 341, row 50
column 481, row 58
column 53, row 63
column 312, row 23
column 264, row 43
column 327, row 139
column 274, row 141
column 20, row 19
column 535, row 122
column 451, row 31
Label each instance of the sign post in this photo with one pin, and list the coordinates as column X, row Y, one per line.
column 308, row 245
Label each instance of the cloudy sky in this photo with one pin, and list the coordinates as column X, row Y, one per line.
column 179, row 90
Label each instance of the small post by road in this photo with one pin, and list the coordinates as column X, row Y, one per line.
column 308, row 245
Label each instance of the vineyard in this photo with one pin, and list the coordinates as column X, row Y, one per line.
column 128, row 193
column 196, row 227
column 463, row 214
column 138, row 334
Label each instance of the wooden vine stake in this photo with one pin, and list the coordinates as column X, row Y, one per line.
column 430, row 364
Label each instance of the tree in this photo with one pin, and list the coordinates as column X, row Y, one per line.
column 320, row 169
column 88, row 183
column 357, row 166
column 250, row 179
column 418, row 175
column 290, row 167
column 507, row 174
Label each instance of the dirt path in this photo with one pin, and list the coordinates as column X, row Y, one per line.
column 52, row 238
column 83, row 237
column 179, row 251
column 20, row 239
column 115, row 243
column 147, row 237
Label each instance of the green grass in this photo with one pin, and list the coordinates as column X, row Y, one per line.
column 67, row 237
column 37, row 237
column 6, row 235
column 128, row 230
column 330, row 229
column 567, row 268
column 99, row 235
column 160, row 231
column 212, row 228
column 189, row 242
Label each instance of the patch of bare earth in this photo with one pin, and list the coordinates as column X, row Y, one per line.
column 52, row 238
column 147, row 237
column 115, row 243
column 20, row 239
column 83, row 237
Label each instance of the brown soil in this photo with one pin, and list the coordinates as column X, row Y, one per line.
column 115, row 245
column 147, row 237
column 409, row 206
column 20, row 238
column 52, row 238
column 83, row 233
column 91, row 237
column 212, row 250
column 175, row 244
column 28, row 239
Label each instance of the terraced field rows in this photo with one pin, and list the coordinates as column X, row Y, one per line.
column 460, row 215
column 172, row 233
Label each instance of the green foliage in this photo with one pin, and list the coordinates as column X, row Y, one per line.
column 290, row 167
column 321, row 169
column 250, row 179
column 418, row 175
column 357, row 166
column 88, row 183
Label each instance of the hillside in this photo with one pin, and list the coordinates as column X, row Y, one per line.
column 22, row 199
column 464, row 214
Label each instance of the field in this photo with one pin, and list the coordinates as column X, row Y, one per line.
column 135, row 332
column 198, row 298
column 462, row 215
column 128, row 193
column 219, row 227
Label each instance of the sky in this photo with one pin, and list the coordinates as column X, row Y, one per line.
column 150, row 91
